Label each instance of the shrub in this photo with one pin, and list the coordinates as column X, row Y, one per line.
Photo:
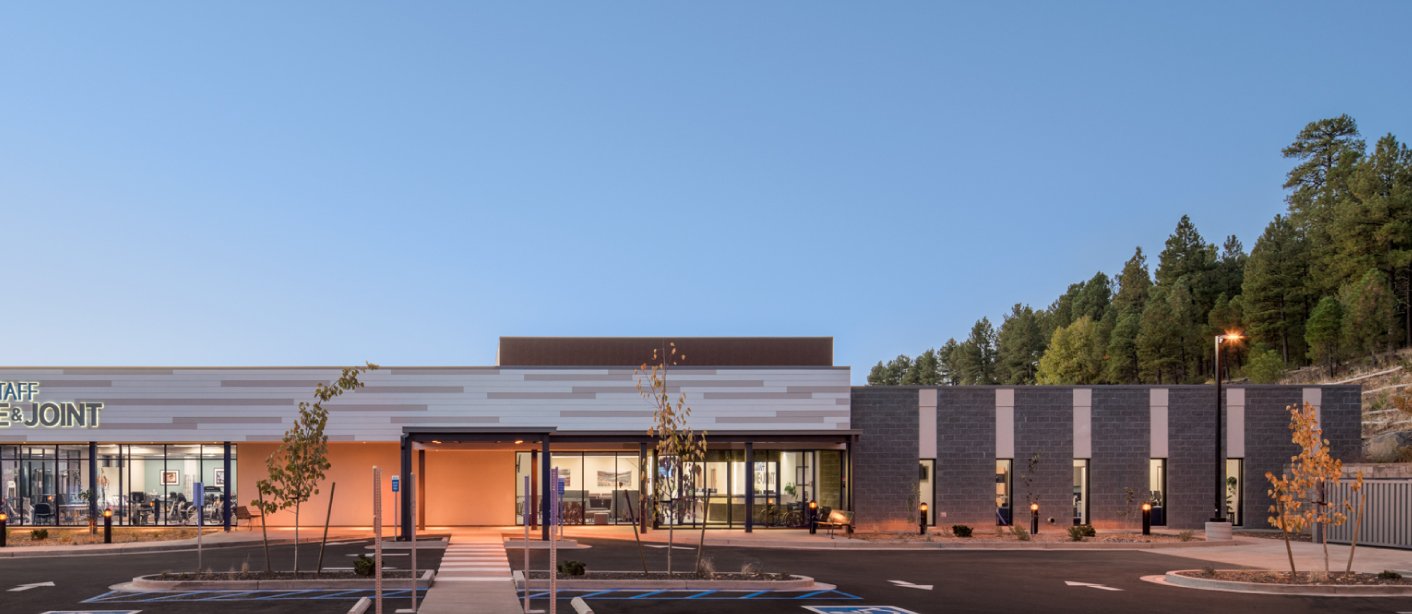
column 362, row 566
column 1079, row 532
column 39, row 534
column 1388, row 574
column 571, row 568
column 1186, row 535
column 960, row 530
column 1020, row 533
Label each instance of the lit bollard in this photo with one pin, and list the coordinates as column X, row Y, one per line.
column 108, row 526
column 1034, row 519
column 922, row 519
column 1147, row 519
column 813, row 517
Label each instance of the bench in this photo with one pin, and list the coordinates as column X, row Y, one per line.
column 838, row 519
column 248, row 515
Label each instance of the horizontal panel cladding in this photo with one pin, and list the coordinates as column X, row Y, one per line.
column 255, row 404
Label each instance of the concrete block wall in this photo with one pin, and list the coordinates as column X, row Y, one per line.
column 885, row 463
column 1191, row 479
column 1044, row 432
column 965, row 450
column 1121, row 451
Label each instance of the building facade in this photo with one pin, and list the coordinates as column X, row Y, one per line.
column 475, row 445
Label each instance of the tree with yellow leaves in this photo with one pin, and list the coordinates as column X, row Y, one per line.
column 1300, row 493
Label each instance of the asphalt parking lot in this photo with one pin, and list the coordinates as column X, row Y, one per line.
column 81, row 583
column 927, row 582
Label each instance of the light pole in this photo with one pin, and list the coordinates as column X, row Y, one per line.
column 1220, row 480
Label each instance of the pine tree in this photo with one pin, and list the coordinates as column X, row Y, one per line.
column 1019, row 345
column 1274, row 293
column 1134, row 283
column 1322, row 333
column 925, row 371
column 1093, row 298
column 1369, row 315
column 1328, row 151
column 1121, row 366
column 1374, row 230
column 947, row 371
column 977, row 355
column 1158, row 350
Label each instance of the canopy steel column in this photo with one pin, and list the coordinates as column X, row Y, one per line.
column 226, row 488
column 404, row 499
column 93, row 482
column 544, row 484
column 749, row 487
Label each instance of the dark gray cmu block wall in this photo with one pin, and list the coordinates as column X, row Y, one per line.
column 885, row 464
column 965, row 449
column 1191, row 478
column 1267, row 438
column 1044, row 433
column 1121, row 437
column 1267, row 446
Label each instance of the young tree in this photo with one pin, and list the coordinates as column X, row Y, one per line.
column 1300, row 493
column 296, row 468
column 679, row 448
column 1323, row 331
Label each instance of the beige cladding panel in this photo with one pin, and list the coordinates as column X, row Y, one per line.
column 1157, row 409
column 1083, row 423
column 1005, row 423
column 926, row 423
column 256, row 404
column 1235, row 423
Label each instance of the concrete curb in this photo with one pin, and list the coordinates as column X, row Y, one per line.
column 796, row 583
column 362, row 606
column 16, row 552
column 1175, row 578
column 149, row 584
column 1007, row 546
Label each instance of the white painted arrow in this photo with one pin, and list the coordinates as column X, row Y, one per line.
column 25, row 587
column 1097, row 586
column 664, row 547
column 906, row 584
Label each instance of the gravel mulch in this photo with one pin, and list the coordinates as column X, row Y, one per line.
column 1304, row 577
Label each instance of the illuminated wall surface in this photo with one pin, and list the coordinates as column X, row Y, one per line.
column 154, row 405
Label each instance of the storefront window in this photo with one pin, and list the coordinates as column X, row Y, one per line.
column 1157, row 484
column 1080, row 491
column 1004, row 511
column 926, row 488
column 1233, row 486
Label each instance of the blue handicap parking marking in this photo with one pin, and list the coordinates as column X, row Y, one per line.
column 696, row 595
column 857, row 609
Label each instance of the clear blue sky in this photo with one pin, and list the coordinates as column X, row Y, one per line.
column 323, row 183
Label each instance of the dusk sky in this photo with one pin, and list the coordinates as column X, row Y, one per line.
column 331, row 182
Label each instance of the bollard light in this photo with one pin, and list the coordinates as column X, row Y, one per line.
column 108, row 526
column 1034, row 519
column 4, row 519
column 813, row 517
column 1147, row 519
column 922, row 519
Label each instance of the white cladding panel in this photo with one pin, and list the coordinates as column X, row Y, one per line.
column 257, row 404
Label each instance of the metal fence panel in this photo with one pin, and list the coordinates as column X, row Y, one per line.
column 1387, row 515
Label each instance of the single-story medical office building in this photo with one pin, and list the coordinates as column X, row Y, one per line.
column 783, row 422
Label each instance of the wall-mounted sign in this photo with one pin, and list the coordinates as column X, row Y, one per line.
column 20, row 406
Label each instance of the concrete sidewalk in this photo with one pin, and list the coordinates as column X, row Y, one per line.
column 474, row 576
column 800, row 539
column 1265, row 553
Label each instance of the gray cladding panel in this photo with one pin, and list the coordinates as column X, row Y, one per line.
column 255, row 404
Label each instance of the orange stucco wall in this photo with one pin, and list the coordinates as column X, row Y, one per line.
column 352, row 470
column 469, row 488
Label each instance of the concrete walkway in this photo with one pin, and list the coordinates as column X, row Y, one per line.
column 474, row 576
column 1270, row 554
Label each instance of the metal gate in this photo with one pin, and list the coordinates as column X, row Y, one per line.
column 1387, row 513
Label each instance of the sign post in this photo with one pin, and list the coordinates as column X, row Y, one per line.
column 412, row 517
column 198, row 492
column 396, row 487
column 526, row 522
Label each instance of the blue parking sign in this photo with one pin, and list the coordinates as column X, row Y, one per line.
column 858, row 609
column 396, row 484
